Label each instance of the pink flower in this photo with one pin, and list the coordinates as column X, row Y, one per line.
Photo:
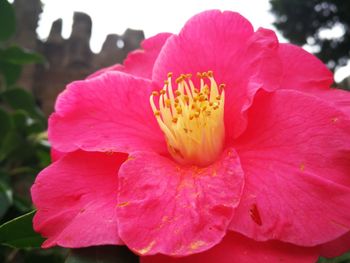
column 247, row 160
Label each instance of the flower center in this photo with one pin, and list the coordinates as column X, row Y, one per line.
column 192, row 119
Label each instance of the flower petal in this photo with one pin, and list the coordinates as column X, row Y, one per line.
column 76, row 200
column 208, row 33
column 140, row 62
column 340, row 99
column 301, row 70
column 336, row 247
column 226, row 44
column 56, row 155
column 304, row 72
column 116, row 67
column 295, row 155
column 172, row 209
column 106, row 113
column 237, row 248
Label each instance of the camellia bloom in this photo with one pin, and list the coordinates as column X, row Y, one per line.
column 215, row 145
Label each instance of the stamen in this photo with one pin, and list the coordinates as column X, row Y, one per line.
column 192, row 118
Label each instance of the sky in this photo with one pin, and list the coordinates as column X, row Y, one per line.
column 151, row 16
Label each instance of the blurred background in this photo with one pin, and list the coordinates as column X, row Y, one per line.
column 46, row 44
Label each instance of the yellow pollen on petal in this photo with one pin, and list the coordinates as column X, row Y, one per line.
column 191, row 117
column 146, row 249
column 123, row 204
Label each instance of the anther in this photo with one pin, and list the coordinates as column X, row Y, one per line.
column 186, row 98
column 167, row 103
column 189, row 117
column 179, row 79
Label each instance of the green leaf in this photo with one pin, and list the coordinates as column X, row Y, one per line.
column 25, row 124
column 6, row 124
column 19, row 56
column 7, row 20
column 53, row 255
column 44, row 157
column 6, row 134
column 19, row 233
column 341, row 259
column 102, row 254
column 10, row 71
column 5, row 199
column 21, row 204
column 9, row 143
column 19, row 118
column 20, row 99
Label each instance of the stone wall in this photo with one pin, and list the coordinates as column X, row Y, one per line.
column 67, row 59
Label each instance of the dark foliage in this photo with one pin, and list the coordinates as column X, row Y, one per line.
column 301, row 22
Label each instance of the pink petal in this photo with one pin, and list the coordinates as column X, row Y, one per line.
column 76, row 200
column 56, row 155
column 116, row 67
column 301, row 70
column 295, row 154
column 172, row 209
column 226, row 44
column 237, row 248
column 140, row 62
column 306, row 73
column 336, row 247
column 106, row 113
column 340, row 99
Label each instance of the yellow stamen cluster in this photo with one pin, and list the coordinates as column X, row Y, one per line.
column 191, row 118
